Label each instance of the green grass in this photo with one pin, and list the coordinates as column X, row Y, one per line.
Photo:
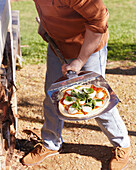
column 33, row 48
column 122, row 28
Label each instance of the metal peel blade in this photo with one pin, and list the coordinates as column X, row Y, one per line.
column 85, row 79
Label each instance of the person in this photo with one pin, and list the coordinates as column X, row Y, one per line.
column 79, row 28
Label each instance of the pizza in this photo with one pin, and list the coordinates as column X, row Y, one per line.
column 83, row 101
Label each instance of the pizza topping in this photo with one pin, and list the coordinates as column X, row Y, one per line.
column 76, row 105
column 100, row 95
column 73, row 93
column 88, row 90
column 81, row 96
column 78, row 94
column 69, row 100
column 72, row 110
column 92, row 95
column 69, row 92
column 90, row 102
column 98, row 102
column 77, row 87
column 76, row 90
column 83, row 99
column 80, row 88
column 82, row 102
column 86, row 108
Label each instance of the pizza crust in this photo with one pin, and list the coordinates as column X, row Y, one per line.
column 93, row 112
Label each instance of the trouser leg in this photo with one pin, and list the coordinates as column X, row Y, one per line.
column 52, row 128
column 110, row 122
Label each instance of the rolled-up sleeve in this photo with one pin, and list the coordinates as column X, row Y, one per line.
column 94, row 12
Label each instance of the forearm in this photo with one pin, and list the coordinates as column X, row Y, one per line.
column 90, row 44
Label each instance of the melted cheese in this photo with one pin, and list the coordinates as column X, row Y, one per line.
column 69, row 102
column 82, row 87
column 82, row 102
column 100, row 95
column 98, row 103
column 86, row 108
column 72, row 110
column 69, row 92
column 92, row 95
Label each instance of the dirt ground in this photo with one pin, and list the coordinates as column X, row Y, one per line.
column 85, row 146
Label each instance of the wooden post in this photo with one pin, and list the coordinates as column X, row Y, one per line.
column 16, row 38
column 4, row 22
column 13, row 61
column 8, row 61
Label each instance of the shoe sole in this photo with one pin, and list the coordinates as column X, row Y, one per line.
column 127, row 163
column 125, row 166
column 41, row 160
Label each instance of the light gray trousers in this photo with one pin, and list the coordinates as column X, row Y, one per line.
column 110, row 123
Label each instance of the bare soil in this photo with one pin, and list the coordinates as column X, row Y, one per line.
column 85, row 146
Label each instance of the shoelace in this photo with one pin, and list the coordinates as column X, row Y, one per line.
column 39, row 148
column 118, row 153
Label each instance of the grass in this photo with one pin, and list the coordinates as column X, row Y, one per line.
column 122, row 41
column 33, row 48
column 122, row 28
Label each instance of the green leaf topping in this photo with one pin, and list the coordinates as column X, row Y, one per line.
column 78, row 87
column 88, row 90
column 93, row 104
column 87, row 104
column 73, row 93
column 90, row 102
column 76, row 105
column 98, row 100
column 68, row 98
column 81, row 96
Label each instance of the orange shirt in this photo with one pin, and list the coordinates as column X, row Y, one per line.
column 66, row 21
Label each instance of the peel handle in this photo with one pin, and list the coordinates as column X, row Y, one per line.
column 70, row 73
column 55, row 48
column 53, row 45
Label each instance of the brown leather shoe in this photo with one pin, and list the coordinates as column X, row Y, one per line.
column 120, row 158
column 37, row 155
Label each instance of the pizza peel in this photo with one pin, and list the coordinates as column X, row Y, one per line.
column 72, row 79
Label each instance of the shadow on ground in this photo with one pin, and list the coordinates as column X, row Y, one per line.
column 71, row 125
column 100, row 153
column 118, row 70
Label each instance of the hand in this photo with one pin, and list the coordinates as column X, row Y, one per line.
column 75, row 65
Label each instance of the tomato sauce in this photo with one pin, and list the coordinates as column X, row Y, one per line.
column 97, row 89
